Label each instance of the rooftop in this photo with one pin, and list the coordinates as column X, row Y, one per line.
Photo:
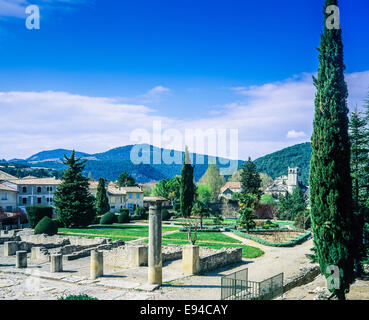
column 231, row 185
column 3, row 187
column 35, row 181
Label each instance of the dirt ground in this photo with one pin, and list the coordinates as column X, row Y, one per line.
column 358, row 291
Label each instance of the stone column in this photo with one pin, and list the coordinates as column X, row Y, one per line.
column 21, row 259
column 97, row 264
column 56, row 263
column 10, row 248
column 155, row 257
column 190, row 259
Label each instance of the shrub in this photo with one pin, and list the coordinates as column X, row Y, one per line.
column 124, row 216
column 37, row 212
column 46, row 225
column 140, row 214
column 77, row 297
column 165, row 214
column 108, row 218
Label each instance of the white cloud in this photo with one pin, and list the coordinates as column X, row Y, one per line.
column 16, row 8
column 293, row 134
column 35, row 121
column 158, row 90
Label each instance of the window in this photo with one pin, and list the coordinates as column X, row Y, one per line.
column 138, row 196
column 24, row 189
column 39, row 189
column 24, row 200
column 4, row 196
column 112, row 199
column 39, row 200
column 130, row 195
column 49, row 189
column 9, row 209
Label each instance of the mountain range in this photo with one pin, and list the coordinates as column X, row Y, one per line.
column 112, row 163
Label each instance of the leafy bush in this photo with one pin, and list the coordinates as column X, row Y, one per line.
column 46, row 225
column 140, row 214
column 124, row 216
column 108, row 218
column 37, row 212
column 58, row 223
column 77, row 297
column 165, row 215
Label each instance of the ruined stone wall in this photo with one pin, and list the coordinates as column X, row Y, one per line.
column 214, row 259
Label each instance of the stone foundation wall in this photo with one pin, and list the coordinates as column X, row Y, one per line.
column 130, row 256
column 214, row 259
column 306, row 276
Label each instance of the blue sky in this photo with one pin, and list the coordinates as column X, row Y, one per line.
column 99, row 69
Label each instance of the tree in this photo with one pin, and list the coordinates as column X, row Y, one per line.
column 267, row 199
column 73, row 202
column 102, row 202
column 250, row 179
column 359, row 158
column 187, row 186
column 204, row 193
column 168, row 188
column 359, row 172
column 247, row 203
column 201, row 210
column 126, row 180
column 213, row 179
column 330, row 180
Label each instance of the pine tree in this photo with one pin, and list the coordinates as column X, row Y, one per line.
column 126, row 180
column 330, row 180
column 187, row 186
column 250, row 179
column 359, row 158
column 101, row 202
column 73, row 203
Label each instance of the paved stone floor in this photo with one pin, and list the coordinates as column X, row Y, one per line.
column 36, row 282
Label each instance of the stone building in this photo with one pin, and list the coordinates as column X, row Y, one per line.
column 285, row 184
column 8, row 198
column 229, row 189
column 33, row 191
column 121, row 197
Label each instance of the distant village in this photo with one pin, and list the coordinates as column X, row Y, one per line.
column 18, row 193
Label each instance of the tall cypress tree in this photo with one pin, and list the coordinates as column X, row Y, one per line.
column 330, row 180
column 187, row 186
column 250, row 179
column 73, row 202
column 101, row 202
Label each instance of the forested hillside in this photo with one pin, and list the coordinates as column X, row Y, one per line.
column 277, row 163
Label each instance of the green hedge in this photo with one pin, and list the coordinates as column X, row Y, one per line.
column 124, row 216
column 212, row 229
column 291, row 243
column 46, row 225
column 35, row 213
column 108, row 218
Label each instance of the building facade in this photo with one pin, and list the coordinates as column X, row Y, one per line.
column 8, row 198
column 34, row 191
column 285, row 184
column 121, row 197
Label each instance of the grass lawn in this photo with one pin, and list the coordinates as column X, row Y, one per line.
column 283, row 223
column 203, row 236
column 247, row 251
column 115, row 232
